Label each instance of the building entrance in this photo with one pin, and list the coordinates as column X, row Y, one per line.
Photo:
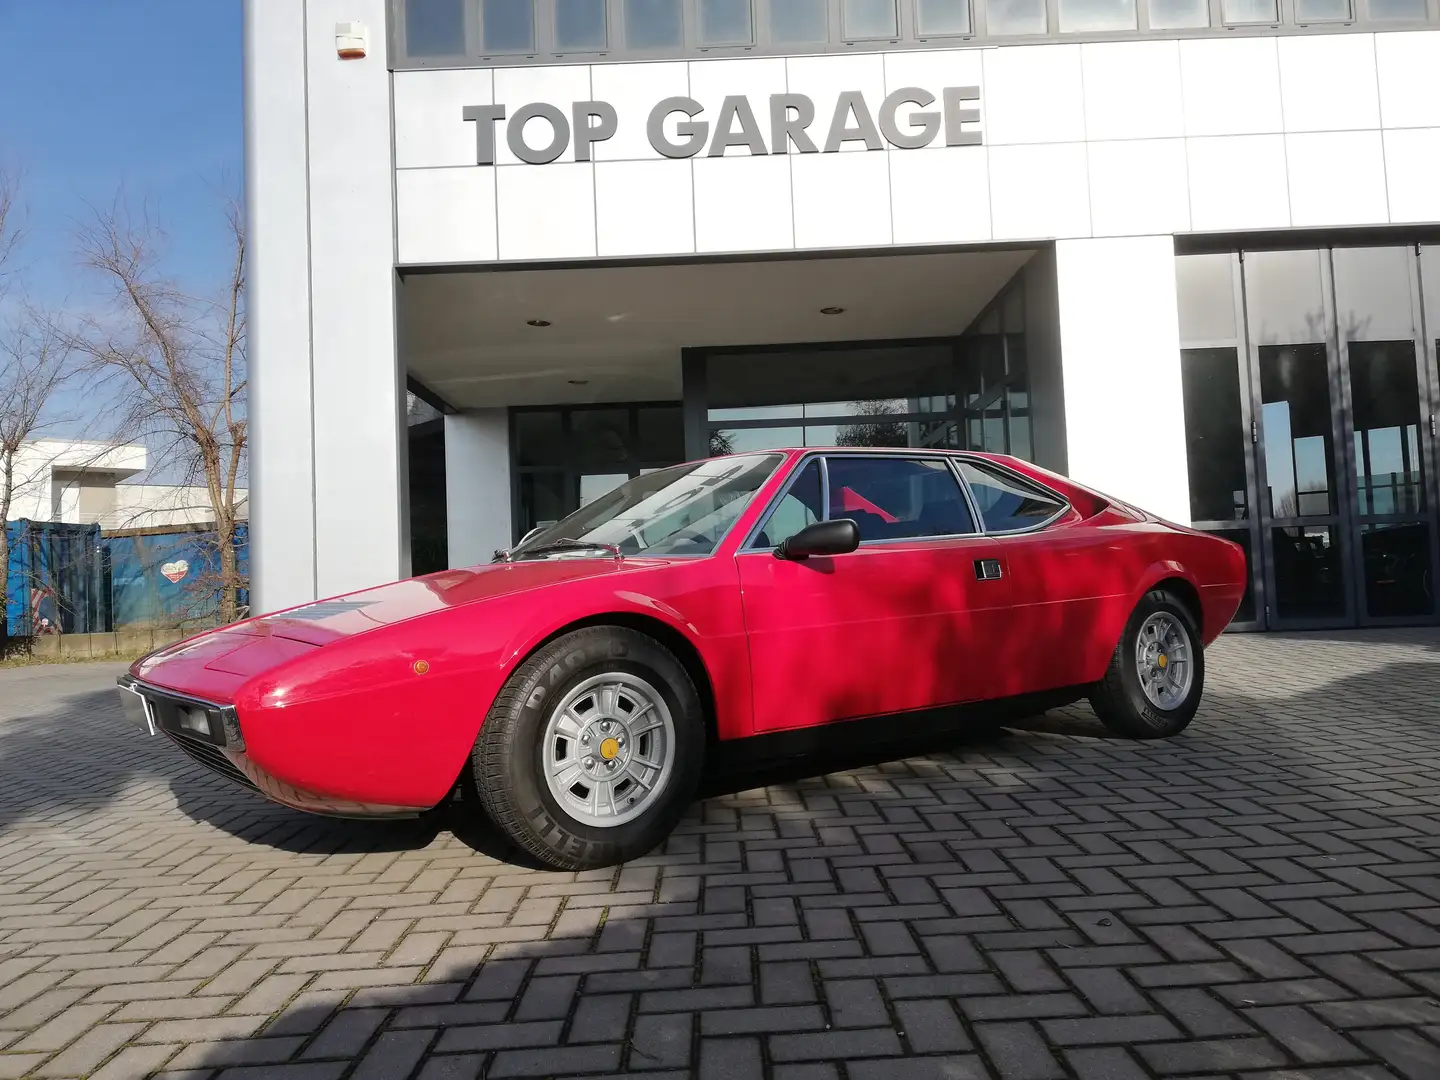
column 1309, row 380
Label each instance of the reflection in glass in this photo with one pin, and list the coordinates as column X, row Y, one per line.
column 1015, row 16
column 1246, row 612
column 580, row 24
column 434, row 27
column 1215, row 438
column 660, row 434
column 863, row 19
column 799, row 22
column 601, row 435
column 593, row 485
column 1385, row 392
column 1249, row 11
column 939, row 18
column 1397, row 570
column 725, row 22
column 1321, row 10
column 1179, row 15
column 1295, row 415
column 539, row 438
column 1089, row 16
column 653, row 24
column 1381, row 10
column 507, row 26
column 801, row 505
column 1309, row 579
column 544, row 500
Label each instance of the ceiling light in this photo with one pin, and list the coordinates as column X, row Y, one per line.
column 537, row 322
column 831, row 310
column 577, row 382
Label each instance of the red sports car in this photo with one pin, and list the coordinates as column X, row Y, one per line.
column 575, row 686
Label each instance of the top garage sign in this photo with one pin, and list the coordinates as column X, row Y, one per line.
column 791, row 117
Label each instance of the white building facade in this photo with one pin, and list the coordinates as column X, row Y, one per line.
column 1181, row 250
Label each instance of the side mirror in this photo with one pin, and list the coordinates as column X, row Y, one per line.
column 823, row 538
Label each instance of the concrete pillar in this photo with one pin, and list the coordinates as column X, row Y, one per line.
column 1120, row 359
column 477, row 485
column 327, row 394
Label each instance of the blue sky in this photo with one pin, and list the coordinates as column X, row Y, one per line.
column 99, row 93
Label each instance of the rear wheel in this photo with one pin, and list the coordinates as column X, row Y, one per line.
column 593, row 749
column 1153, row 685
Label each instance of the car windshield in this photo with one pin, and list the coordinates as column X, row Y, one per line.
column 684, row 510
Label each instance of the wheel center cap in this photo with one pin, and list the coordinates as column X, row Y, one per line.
column 608, row 749
column 1162, row 660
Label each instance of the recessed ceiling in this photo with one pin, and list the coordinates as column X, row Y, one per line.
column 615, row 333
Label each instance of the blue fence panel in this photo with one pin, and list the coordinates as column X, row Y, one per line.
column 55, row 582
column 168, row 579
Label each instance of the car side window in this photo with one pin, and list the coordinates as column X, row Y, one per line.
column 1005, row 503
column 801, row 505
column 894, row 498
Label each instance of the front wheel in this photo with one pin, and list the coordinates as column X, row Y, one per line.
column 1152, row 687
column 593, row 749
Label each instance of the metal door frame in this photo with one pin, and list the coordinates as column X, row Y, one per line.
column 1340, row 518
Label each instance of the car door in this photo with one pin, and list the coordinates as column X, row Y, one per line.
column 901, row 623
column 1061, row 573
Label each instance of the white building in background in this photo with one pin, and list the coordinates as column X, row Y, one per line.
column 1187, row 251
column 85, row 483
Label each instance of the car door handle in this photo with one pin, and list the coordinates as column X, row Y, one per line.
column 988, row 569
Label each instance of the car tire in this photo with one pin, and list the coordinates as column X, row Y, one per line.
column 563, row 755
column 1159, row 629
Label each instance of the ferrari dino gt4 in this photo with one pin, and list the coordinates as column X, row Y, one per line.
column 574, row 686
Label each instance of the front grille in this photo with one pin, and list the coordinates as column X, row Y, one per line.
column 212, row 758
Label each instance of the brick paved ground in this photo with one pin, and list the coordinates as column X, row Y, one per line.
column 1257, row 899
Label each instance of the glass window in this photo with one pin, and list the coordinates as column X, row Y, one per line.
column 725, row 22
column 1397, row 569
column 601, row 436
column 1015, row 17
column 580, row 24
column 1007, row 504
column 653, row 24
column 941, row 18
column 1385, row 391
column 1215, row 436
column 660, row 434
column 684, row 510
column 794, row 22
column 866, row 19
column 1386, row 10
column 898, row 498
column 1309, row 572
column 1295, row 423
column 1090, row 16
column 539, row 437
column 1249, row 11
column 507, row 26
column 434, row 27
column 1308, row 11
column 800, row 506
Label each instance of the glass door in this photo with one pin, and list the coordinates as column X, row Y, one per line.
column 1386, row 394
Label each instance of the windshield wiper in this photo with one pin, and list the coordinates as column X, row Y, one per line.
column 565, row 543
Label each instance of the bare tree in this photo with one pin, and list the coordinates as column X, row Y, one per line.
column 32, row 367
column 174, row 363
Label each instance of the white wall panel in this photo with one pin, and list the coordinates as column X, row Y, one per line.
column 1138, row 187
column 1033, row 94
column 477, row 485
column 546, row 213
column 635, row 89
column 643, row 208
column 445, row 215
column 743, row 204
column 1336, row 178
column 1327, row 82
column 1120, row 353
column 841, row 200
column 1408, row 68
column 358, row 389
column 942, row 197
column 1231, row 86
column 823, row 78
column 1132, row 90
column 516, row 87
column 756, row 78
column 429, row 127
column 1238, row 182
column 1039, row 191
column 1412, row 164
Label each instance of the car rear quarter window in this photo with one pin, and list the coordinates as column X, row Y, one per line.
column 1007, row 504
column 895, row 498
